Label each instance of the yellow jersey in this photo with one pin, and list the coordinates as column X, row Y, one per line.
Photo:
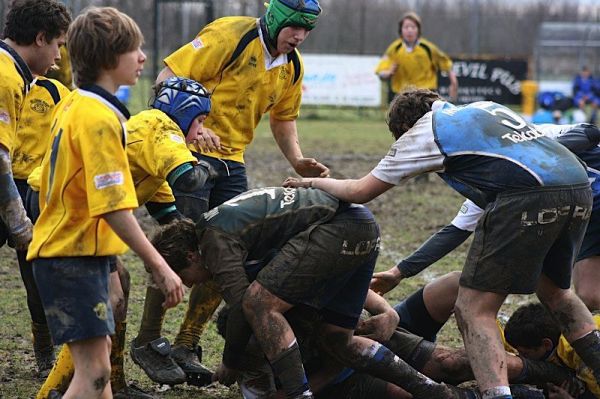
column 15, row 78
column 417, row 67
column 245, row 86
column 33, row 128
column 155, row 147
column 565, row 355
column 84, row 176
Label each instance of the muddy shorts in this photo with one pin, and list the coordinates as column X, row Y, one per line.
column 525, row 233
column 74, row 292
column 328, row 266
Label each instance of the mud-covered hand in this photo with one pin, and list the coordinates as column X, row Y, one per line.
column 295, row 182
column 384, row 282
column 170, row 285
column 20, row 227
column 379, row 327
column 207, row 141
column 564, row 391
column 225, row 375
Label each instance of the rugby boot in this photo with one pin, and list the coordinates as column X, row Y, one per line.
column 189, row 361
column 155, row 359
column 132, row 392
column 42, row 348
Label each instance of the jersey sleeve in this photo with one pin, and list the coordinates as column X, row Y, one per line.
column 468, row 216
column 441, row 59
column 413, row 154
column 168, row 151
column 163, row 195
column 288, row 107
column 11, row 97
column 108, row 181
column 203, row 58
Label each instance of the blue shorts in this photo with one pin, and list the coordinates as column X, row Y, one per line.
column 230, row 182
column 328, row 267
column 74, row 292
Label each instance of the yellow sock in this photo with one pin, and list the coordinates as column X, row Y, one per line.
column 61, row 374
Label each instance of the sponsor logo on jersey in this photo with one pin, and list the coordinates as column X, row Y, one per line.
column 108, row 179
column 176, row 138
column 197, row 43
column 4, row 116
column 289, row 196
column 391, row 152
column 39, row 106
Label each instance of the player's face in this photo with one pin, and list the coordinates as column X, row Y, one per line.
column 195, row 129
column 195, row 273
column 410, row 30
column 290, row 37
column 47, row 53
column 129, row 67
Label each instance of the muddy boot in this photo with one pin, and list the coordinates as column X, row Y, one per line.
column 155, row 359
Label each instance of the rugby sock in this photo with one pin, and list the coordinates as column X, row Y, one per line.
column 588, row 349
column 117, row 373
column 42, row 343
column 380, row 362
column 422, row 323
column 152, row 317
column 290, row 372
column 204, row 300
column 501, row 392
column 61, row 374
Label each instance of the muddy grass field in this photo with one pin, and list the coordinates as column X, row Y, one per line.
column 350, row 143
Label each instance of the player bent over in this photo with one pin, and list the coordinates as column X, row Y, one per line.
column 326, row 254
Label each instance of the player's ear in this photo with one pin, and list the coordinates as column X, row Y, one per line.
column 547, row 344
column 40, row 39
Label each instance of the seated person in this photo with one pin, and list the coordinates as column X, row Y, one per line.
column 586, row 91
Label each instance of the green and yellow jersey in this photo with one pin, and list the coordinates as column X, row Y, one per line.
column 417, row 67
column 15, row 79
column 155, row 147
column 33, row 127
column 84, row 176
column 244, row 86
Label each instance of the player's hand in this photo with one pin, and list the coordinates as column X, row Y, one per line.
column 564, row 391
column 169, row 283
column 207, row 141
column 225, row 375
column 295, row 182
column 20, row 237
column 310, row 167
column 384, row 282
column 379, row 327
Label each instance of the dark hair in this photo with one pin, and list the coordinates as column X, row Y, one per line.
column 26, row 18
column 407, row 108
column 96, row 39
column 529, row 325
column 175, row 241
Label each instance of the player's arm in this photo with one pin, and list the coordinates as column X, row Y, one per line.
column 383, row 321
column 188, row 177
column 11, row 207
column 126, row 227
column 165, row 74
column 285, row 133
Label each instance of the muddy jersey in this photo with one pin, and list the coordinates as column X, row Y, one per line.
column 253, row 224
column 15, row 79
column 480, row 150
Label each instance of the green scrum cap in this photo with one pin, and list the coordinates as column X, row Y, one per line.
column 282, row 13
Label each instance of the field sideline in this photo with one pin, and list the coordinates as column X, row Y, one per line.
column 350, row 143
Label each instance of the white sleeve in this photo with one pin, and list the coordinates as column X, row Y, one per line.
column 468, row 216
column 413, row 154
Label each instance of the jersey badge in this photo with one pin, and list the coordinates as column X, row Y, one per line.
column 4, row 116
column 108, row 179
column 197, row 43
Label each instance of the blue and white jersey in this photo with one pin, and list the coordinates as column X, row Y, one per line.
column 480, row 150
